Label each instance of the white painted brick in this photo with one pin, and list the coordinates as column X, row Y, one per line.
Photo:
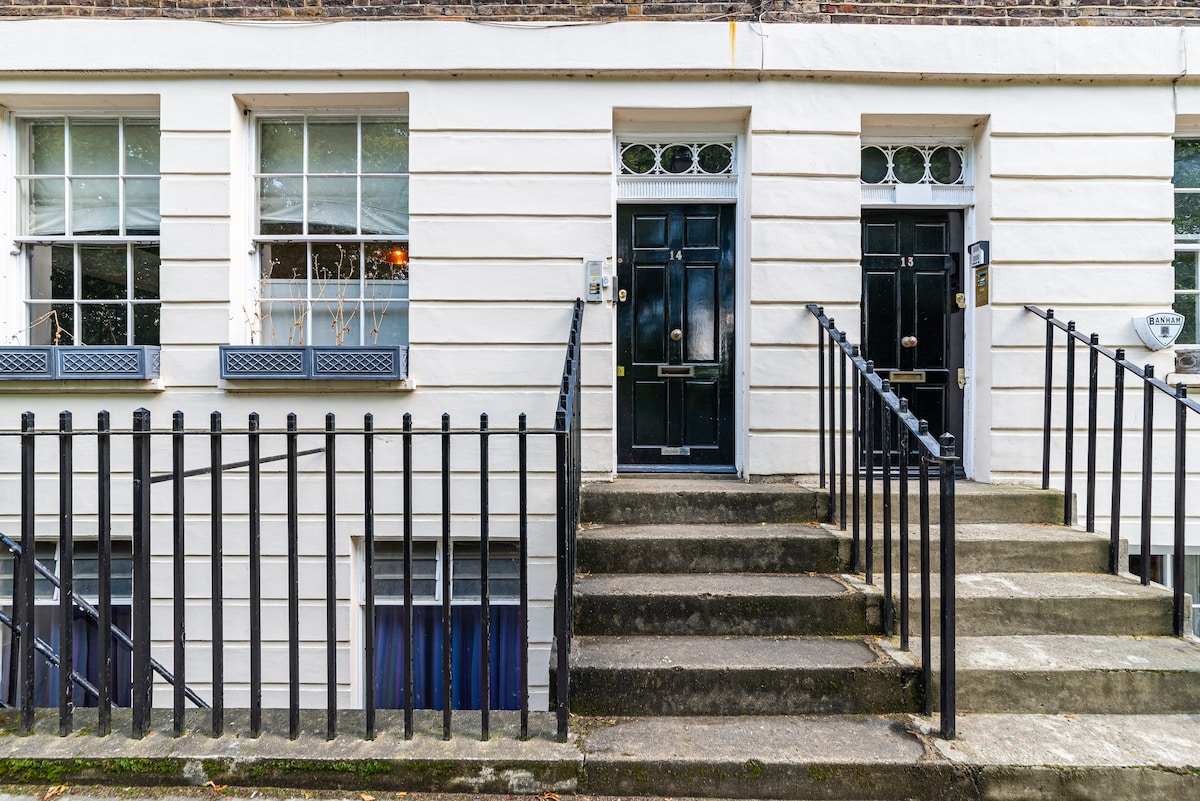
column 551, row 195
column 779, row 196
column 781, row 454
column 494, row 323
column 202, row 106
column 195, row 239
column 434, row 279
column 498, row 151
column 1082, row 284
column 1082, row 200
column 800, row 282
column 195, row 197
column 192, row 281
column 824, row 240
column 531, row 237
column 832, row 155
column 1082, row 242
column 195, row 153
column 1082, row 156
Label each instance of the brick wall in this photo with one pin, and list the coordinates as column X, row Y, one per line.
column 905, row 12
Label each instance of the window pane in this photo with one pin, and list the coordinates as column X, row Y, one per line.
column 281, row 146
column 51, row 324
column 51, row 272
column 87, row 569
column 332, row 205
column 1187, row 164
column 1187, row 215
column 284, row 281
column 48, row 147
column 385, row 306
column 385, row 146
column 146, row 322
column 385, row 206
column 95, row 205
column 103, row 272
column 95, row 148
column 145, row 272
column 1186, row 305
column 47, row 206
column 104, row 324
column 336, row 318
column 332, row 146
column 389, row 570
column 281, row 206
column 141, row 148
column 43, row 589
column 503, row 571
column 141, row 206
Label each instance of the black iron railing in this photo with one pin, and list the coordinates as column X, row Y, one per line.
column 1151, row 389
column 567, row 468
column 880, row 424
column 254, row 513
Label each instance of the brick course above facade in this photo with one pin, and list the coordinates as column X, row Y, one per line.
column 930, row 12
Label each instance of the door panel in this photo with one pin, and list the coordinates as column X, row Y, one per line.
column 912, row 271
column 675, row 335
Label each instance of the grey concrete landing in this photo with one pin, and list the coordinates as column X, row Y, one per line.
column 737, row 676
column 991, row 604
column 639, row 500
column 1007, row 548
column 722, row 604
column 1072, row 674
column 711, row 548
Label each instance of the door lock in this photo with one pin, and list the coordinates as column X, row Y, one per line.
column 621, row 295
column 676, row 335
column 908, row 342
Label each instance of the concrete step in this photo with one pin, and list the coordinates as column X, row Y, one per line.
column 995, row 757
column 995, row 604
column 974, row 502
column 1072, row 674
column 737, row 676
column 1005, row 548
column 709, row 548
column 642, row 500
column 723, row 604
column 800, row 757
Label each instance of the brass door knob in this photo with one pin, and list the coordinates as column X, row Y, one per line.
column 908, row 341
column 676, row 335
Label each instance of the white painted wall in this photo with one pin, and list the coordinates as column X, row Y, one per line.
column 512, row 161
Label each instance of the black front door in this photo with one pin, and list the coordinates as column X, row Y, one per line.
column 675, row 337
column 912, row 326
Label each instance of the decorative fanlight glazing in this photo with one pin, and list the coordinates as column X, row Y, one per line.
column 677, row 158
column 938, row 164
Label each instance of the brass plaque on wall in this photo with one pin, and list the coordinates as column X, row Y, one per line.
column 981, row 286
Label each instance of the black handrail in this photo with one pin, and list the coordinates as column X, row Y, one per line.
column 869, row 391
column 1151, row 387
column 568, row 468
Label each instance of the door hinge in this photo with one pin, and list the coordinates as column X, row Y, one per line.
column 962, row 378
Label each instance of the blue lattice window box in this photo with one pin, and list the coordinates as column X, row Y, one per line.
column 71, row 362
column 325, row 362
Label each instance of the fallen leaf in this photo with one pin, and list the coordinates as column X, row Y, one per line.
column 54, row 792
column 365, row 797
column 548, row 797
column 216, row 788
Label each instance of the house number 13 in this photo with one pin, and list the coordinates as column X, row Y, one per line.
column 906, row 261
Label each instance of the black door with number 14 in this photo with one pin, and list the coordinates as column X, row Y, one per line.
column 675, row 337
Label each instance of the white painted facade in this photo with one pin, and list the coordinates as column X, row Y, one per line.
column 513, row 156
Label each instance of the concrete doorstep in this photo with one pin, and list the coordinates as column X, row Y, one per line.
column 751, row 757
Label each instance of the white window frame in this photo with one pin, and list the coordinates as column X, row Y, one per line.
column 258, row 240
column 1185, row 245
column 21, row 303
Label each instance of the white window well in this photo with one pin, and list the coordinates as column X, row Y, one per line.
column 332, row 248
column 88, row 196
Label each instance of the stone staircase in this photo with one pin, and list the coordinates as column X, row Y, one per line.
column 722, row 651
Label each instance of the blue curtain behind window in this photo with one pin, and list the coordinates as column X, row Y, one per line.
column 85, row 643
column 466, row 637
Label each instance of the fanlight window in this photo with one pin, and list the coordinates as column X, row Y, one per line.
column 677, row 158
column 936, row 165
